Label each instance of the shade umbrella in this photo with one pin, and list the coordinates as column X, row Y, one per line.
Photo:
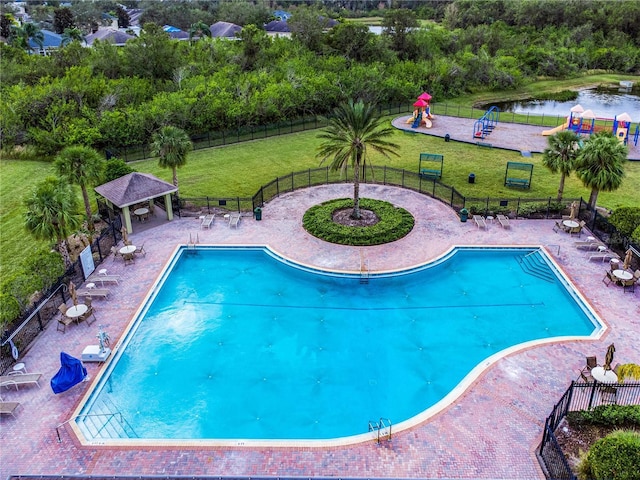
column 574, row 210
column 425, row 96
column 627, row 259
column 125, row 235
column 73, row 293
column 608, row 359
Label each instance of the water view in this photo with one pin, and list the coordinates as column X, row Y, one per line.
column 604, row 103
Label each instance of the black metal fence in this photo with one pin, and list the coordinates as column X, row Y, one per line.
column 256, row 132
column 578, row 397
column 27, row 327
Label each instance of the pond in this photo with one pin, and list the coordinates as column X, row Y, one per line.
column 604, row 103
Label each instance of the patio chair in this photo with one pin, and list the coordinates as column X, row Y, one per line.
column 504, row 221
column 207, row 221
column 116, row 253
column 608, row 278
column 609, row 394
column 560, row 226
column 630, row 285
column 140, row 251
column 8, row 408
column 480, row 222
column 20, row 379
column 577, row 230
column 592, row 362
column 129, row 258
column 89, row 313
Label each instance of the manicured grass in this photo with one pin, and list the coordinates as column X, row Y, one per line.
column 16, row 182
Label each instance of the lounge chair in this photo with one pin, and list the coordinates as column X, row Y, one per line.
column 587, row 245
column 504, row 221
column 480, row 222
column 8, row 408
column 104, row 279
column 20, row 379
column 602, row 255
column 234, row 220
column 207, row 221
column 94, row 292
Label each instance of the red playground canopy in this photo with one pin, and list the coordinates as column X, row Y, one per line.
column 424, row 96
column 420, row 103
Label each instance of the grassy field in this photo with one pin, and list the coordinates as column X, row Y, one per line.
column 240, row 170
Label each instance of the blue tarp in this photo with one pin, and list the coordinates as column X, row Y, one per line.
column 71, row 372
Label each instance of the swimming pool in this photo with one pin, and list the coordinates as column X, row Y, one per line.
column 238, row 344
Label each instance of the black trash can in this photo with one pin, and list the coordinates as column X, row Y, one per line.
column 258, row 213
column 447, row 137
column 472, row 178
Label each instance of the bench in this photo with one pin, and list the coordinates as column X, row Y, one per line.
column 484, row 144
column 517, row 182
column 427, row 173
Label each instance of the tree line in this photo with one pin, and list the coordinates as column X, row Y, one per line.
column 110, row 97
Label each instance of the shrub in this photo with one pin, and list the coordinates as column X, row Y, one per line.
column 116, row 168
column 394, row 223
column 614, row 457
column 608, row 415
column 46, row 266
column 9, row 310
column 626, row 220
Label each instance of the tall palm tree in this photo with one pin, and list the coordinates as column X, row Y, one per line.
column 560, row 155
column 81, row 166
column 52, row 213
column 199, row 30
column 354, row 129
column 171, row 144
column 600, row 164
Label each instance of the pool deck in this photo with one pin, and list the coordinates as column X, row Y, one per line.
column 490, row 432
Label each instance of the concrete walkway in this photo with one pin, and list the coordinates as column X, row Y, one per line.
column 490, row 432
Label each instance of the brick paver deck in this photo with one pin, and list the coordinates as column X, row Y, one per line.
column 491, row 431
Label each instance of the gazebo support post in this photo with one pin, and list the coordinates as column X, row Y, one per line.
column 168, row 207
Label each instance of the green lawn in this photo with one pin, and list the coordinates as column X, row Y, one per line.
column 240, row 170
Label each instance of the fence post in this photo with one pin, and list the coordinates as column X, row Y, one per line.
column 593, row 393
column 569, row 398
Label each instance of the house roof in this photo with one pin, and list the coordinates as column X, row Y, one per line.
column 117, row 37
column 277, row 26
column 51, row 40
column 133, row 188
column 224, row 29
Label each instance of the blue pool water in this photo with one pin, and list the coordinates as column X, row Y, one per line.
column 236, row 344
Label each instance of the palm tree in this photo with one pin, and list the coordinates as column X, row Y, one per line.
column 81, row 166
column 52, row 213
column 171, row 144
column 72, row 35
column 600, row 164
column 28, row 31
column 352, row 131
column 199, row 29
column 560, row 155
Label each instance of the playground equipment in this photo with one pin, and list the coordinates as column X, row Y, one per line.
column 430, row 165
column 572, row 119
column 584, row 124
column 621, row 127
column 422, row 112
column 516, row 175
column 486, row 123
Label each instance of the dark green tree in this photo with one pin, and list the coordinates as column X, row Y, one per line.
column 397, row 26
column 123, row 17
column 244, row 13
column 353, row 131
column 199, row 30
column 307, row 26
column 62, row 19
column 254, row 41
column 352, row 40
column 72, row 35
column 560, row 155
column 152, row 55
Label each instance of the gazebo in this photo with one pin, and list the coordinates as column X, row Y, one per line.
column 133, row 189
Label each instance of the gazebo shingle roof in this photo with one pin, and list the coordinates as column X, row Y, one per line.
column 133, row 188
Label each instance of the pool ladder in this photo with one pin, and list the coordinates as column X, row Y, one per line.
column 383, row 427
column 193, row 241
column 364, row 270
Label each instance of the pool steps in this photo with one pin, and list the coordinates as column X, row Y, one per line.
column 105, row 423
column 534, row 264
